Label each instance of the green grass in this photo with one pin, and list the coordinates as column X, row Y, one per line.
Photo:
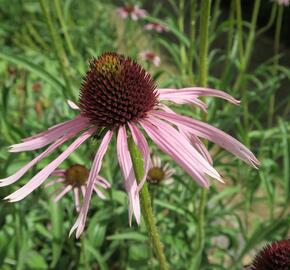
column 50, row 42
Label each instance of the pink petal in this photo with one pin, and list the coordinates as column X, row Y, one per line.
column 51, row 135
column 60, row 195
column 142, row 144
column 170, row 141
column 192, row 93
column 128, row 174
column 101, row 181
column 16, row 176
column 40, row 177
column 100, row 194
column 81, row 220
column 53, row 182
column 213, row 134
column 195, row 141
column 181, row 99
column 58, row 172
column 72, row 105
column 77, row 198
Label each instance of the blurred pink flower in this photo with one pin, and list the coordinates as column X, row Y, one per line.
column 150, row 57
column 75, row 179
column 131, row 11
column 283, row 2
column 156, row 27
column 118, row 96
column 159, row 172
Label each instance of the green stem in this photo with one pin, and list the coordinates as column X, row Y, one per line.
column 181, row 29
column 228, row 61
column 203, row 77
column 59, row 51
column 192, row 40
column 64, row 28
column 240, row 28
column 244, row 58
column 270, row 22
column 203, row 49
column 244, row 61
column 276, row 61
column 146, row 206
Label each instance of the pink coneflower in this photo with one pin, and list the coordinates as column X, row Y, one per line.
column 283, row 2
column 119, row 97
column 156, row 27
column 75, row 179
column 150, row 57
column 159, row 172
column 275, row 256
column 131, row 11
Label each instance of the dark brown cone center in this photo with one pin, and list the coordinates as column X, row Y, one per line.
column 115, row 91
column 76, row 175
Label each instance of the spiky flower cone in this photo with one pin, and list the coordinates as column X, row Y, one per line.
column 275, row 256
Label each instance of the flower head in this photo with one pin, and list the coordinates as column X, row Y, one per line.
column 156, row 27
column 159, row 172
column 133, row 12
column 283, row 2
column 150, row 57
column 119, row 96
column 275, row 256
column 75, row 179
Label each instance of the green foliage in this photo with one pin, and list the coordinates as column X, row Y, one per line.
column 49, row 43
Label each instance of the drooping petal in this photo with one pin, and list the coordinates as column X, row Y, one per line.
column 182, row 99
column 191, row 93
column 142, row 144
column 58, row 172
column 40, row 177
column 128, row 174
column 55, row 181
column 16, row 176
column 195, row 141
column 51, row 135
column 213, row 134
column 77, row 199
column 100, row 194
column 101, row 181
column 61, row 194
column 170, row 141
column 72, row 105
column 93, row 176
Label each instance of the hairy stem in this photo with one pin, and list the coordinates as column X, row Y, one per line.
column 59, row 51
column 203, row 77
column 146, row 206
column 276, row 61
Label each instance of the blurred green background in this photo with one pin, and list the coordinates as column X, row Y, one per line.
column 45, row 49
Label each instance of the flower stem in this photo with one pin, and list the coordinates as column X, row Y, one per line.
column 146, row 206
column 62, row 22
column 181, row 29
column 192, row 41
column 276, row 61
column 203, row 49
column 203, row 77
column 244, row 60
column 59, row 50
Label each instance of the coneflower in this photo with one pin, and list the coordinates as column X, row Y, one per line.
column 130, row 11
column 283, row 2
column 75, row 179
column 119, row 97
column 150, row 57
column 156, row 27
column 159, row 172
column 275, row 256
